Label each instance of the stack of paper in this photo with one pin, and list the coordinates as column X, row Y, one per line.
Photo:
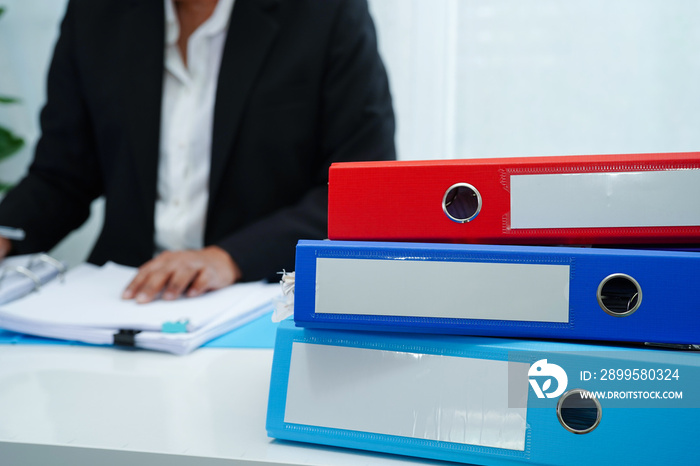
column 87, row 307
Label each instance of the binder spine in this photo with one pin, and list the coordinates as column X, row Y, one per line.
column 511, row 291
column 287, row 409
column 635, row 198
column 318, row 394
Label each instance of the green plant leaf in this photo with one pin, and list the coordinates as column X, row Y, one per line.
column 2, row 10
column 8, row 100
column 5, row 186
column 9, row 143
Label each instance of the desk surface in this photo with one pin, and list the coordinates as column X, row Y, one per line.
column 90, row 405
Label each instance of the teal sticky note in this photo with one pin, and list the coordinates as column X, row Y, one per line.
column 179, row 326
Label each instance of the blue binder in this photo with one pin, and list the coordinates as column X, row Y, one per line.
column 506, row 291
column 473, row 399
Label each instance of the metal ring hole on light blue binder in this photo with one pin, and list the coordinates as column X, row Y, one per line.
column 579, row 411
column 461, row 202
column 619, row 295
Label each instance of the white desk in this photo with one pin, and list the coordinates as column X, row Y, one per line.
column 77, row 405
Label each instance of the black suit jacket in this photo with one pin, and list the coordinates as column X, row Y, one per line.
column 301, row 85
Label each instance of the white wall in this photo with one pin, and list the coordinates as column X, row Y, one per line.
column 28, row 31
column 471, row 78
column 490, row 78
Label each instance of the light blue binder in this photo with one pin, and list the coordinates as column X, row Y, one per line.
column 505, row 291
column 476, row 400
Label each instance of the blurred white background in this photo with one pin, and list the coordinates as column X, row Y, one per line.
column 470, row 78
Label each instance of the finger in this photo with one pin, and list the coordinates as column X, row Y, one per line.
column 136, row 283
column 144, row 273
column 152, row 286
column 180, row 280
column 142, row 276
column 200, row 284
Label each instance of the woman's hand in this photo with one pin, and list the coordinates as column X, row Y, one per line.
column 183, row 273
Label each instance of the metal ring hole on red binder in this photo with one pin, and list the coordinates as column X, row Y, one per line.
column 579, row 411
column 461, row 202
column 619, row 295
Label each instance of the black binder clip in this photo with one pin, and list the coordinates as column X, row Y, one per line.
column 126, row 338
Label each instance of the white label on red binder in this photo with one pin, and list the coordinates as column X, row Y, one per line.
column 423, row 396
column 443, row 289
column 666, row 198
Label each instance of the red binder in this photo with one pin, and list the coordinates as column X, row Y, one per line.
column 601, row 199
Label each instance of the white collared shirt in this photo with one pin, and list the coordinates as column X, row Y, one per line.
column 186, row 129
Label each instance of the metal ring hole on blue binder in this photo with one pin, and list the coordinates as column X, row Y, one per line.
column 579, row 411
column 461, row 202
column 619, row 295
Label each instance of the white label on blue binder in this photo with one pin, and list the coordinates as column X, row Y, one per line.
column 441, row 289
column 605, row 200
column 421, row 396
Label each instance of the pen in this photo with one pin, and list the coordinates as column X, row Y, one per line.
column 16, row 234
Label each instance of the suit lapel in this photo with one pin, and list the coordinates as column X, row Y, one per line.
column 252, row 30
column 142, row 60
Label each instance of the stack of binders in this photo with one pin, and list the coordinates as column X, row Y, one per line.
column 457, row 314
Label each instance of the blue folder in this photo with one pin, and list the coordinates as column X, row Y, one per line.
column 477, row 399
column 508, row 291
column 259, row 333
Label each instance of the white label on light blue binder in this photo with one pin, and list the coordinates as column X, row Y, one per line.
column 605, row 200
column 442, row 289
column 421, row 396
